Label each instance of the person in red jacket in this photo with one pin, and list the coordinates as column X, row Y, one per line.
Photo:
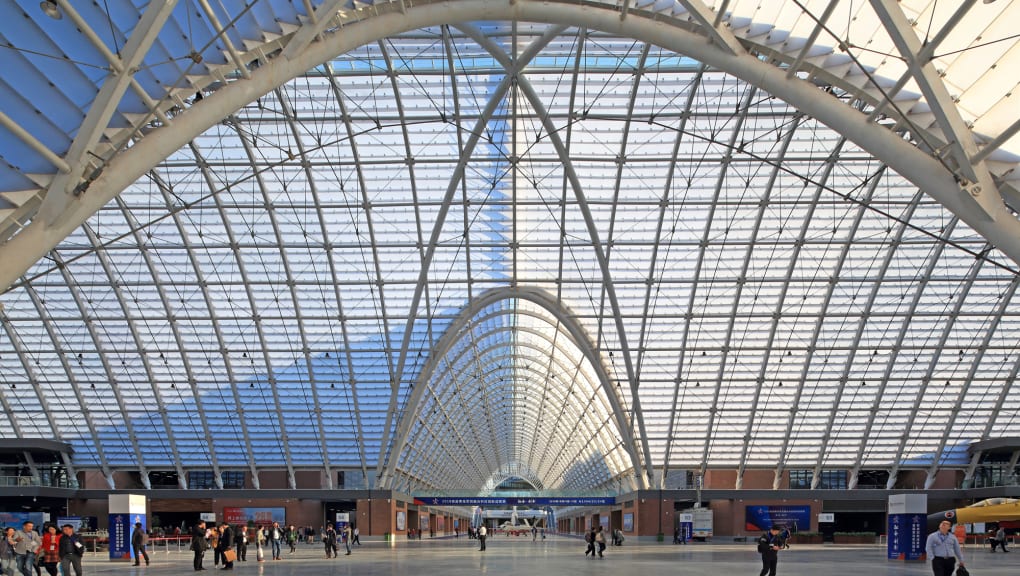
column 50, row 549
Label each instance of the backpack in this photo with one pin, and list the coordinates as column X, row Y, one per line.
column 587, row 537
column 763, row 544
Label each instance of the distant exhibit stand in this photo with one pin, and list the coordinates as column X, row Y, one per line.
column 125, row 511
column 908, row 514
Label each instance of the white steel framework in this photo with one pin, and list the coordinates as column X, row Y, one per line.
column 780, row 237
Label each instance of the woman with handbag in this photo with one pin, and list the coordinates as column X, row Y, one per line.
column 49, row 552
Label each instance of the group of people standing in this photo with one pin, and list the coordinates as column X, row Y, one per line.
column 222, row 540
column 22, row 551
column 330, row 539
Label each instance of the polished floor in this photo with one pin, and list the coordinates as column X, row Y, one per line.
column 559, row 556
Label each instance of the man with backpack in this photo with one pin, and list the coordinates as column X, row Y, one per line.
column 769, row 545
column 589, row 537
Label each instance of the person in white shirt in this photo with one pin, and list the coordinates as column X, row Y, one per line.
column 482, row 533
column 944, row 550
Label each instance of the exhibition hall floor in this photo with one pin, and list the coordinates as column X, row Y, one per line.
column 560, row 555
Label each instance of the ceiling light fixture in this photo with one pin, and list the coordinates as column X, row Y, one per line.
column 51, row 9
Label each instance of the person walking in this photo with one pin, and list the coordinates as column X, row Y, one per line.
column 944, row 550
column 199, row 544
column 292, row 537
column 139, row 540
column 357, row 536
column 769, row 545
column 1000, row 539
column 482, row 535
column 70, row 551
column 329, row 541
column 348, row 537
column 226, row 546
column 26, row 542
column 276, row 539
column 600, row 540
column 8, row 559
column 50, row 550
column 589, row 538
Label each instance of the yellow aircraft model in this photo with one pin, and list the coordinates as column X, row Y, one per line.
column 990, row 510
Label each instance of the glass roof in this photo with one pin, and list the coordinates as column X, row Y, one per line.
column 618, row 261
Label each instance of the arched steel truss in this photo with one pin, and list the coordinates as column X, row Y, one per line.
column 440, row 368
column 945, row 161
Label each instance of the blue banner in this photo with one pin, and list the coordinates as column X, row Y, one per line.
column 793, row 518
column 120, row 536
column 513, row 501
column 16, row 519
column 906, row 537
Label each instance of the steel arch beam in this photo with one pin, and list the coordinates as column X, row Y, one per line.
column 482, row 353
column 451, row 336
column 101, row 111
column 731, row 318
column 214, row 321
column 178, row 339
column 602, row 255
column 97, row 341
column 956, row 134
column 999, row 226
column 256, row 319
column 108, row 269
column 982, row 349
column 72, row 378
column 777, row 314
column 605, row 412
column 289, row 277
column 1002, row 228
column 681, row 355
column 827, row 302
column 455, row 181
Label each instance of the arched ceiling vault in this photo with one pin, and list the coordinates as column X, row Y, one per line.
column 721, row 224
column 963, row 184
column 479, row 365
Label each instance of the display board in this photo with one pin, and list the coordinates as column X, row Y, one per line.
column 761, row 518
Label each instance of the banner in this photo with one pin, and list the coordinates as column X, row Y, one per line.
column 628, row 522
column 16, row 519
column 120, row 536
column 761, row 518
column 401, row 521
column 257, row 516
column 906, row 536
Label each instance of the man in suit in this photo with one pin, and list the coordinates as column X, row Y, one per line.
column 199, row 544
column 225, row 544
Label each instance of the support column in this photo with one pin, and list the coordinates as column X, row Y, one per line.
column 125, row 511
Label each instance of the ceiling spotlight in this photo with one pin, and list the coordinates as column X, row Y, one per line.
column 50, row 9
